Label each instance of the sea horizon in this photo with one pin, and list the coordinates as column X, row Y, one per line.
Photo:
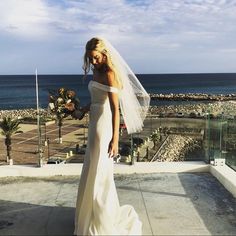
column 163, row 73
column 18, row 91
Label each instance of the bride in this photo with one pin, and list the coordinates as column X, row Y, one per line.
column 114, row 85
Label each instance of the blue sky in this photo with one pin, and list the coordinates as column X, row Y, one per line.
column 154, row 36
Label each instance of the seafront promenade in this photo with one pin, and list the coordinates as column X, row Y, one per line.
column 25, row 144
column 75, row 132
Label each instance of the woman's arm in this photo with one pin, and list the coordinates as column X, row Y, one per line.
column 113, row 97
column 114, row 104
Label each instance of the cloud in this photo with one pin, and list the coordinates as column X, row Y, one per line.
column 146, row 17
column 228, row 50
column 141, row 30
column 27, row 18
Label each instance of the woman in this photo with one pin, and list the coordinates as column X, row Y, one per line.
column 97, row 210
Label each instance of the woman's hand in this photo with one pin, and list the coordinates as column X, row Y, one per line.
column 70, row 106
column 113, row 148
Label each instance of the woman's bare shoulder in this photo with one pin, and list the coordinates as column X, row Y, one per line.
column 111, row 79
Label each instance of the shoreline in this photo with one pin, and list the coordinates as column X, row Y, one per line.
column 192, row 97
column 196, row 110
column 199, row 110
column 30, row 113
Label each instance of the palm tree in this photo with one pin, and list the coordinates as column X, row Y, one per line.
column 9, row 127
column 155, row 137
column 59, row 123
column 58, row 100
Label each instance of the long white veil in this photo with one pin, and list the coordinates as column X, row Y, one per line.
column 133, row 98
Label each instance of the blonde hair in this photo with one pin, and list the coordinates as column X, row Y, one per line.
column 98, row 45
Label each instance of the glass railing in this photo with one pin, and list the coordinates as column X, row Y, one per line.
column 206, row 132
column 220, row 139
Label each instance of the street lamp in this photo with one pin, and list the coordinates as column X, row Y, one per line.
column 48, row 141
column 40, row 151
column 45, row 135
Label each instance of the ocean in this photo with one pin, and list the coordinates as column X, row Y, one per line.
column 18, row 91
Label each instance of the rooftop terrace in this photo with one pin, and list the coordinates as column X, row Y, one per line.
column 185, row 199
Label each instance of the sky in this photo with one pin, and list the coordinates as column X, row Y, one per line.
column 153, row 36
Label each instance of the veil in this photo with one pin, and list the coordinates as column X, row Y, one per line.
column 133, row 99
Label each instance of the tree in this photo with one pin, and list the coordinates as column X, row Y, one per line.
column 155, row 137
column 9, row 127
column 58, row 100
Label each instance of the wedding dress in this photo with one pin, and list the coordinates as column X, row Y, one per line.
column 97, row 210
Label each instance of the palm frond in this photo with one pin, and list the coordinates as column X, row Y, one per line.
column 9, row 126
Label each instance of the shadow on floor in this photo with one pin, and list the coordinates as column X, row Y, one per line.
column 213, row 203
column 28, row 219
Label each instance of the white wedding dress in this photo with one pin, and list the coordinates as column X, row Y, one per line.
column 97, row 210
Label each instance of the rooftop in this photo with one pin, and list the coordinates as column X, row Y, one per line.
column 172, row 199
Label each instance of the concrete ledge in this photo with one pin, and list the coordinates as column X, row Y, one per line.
column 226, row 176
column 75, row 168
column 46, row 170
column 159, row 167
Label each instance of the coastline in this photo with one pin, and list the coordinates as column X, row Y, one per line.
column 29, row 113
column 196, row 110
column 193, row 97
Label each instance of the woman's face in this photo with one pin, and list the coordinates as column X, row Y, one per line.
column 97, row 59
